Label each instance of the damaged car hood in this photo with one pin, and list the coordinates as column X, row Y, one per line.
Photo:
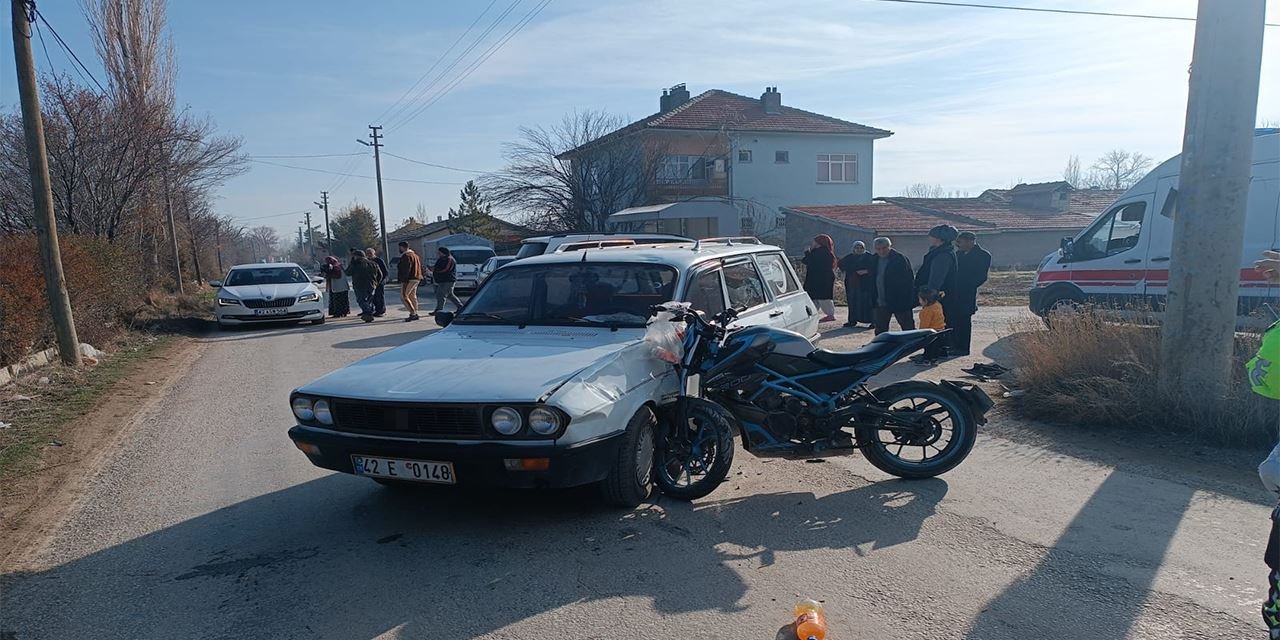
column 498, row 364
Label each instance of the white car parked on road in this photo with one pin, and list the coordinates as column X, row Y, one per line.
column 268, row 292
column 544, row 378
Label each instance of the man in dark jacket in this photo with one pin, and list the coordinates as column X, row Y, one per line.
column 972, row 266
column 445, row 274
column 938, row 269
column 365, row 278
column 379, row 294
column 893, row 289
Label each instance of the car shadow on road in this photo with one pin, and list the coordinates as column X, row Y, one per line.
column 240, row 334
column 382, row 342
column 339, row 557
column 1099, row 574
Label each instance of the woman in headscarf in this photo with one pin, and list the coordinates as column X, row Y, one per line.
column 820, row 275
column 858, row 268
column 336, row 285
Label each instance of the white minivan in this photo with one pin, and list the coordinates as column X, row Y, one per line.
column 1122, row 259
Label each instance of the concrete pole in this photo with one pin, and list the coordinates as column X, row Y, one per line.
column 55, row 284
column 1208, row 226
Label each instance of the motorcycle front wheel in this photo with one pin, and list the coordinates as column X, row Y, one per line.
column 943, row 439
column 692, row 457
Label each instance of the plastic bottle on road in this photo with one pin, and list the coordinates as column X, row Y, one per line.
column 810, row 623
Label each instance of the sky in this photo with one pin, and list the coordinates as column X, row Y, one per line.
column 976, row 98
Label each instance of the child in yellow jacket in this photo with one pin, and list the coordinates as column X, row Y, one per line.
column 932, row 317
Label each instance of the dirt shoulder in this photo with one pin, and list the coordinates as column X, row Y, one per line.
column 70, row 424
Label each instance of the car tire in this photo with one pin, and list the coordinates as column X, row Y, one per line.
column 627, row 484
column 222, row 326
column 320, row 321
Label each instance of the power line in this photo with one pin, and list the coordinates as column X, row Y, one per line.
column 274, row 215
column 430, row 164
column 1074, row 12
column 511, row 33
column 408, row 106
column 67, row 48
column 349, row 175
column 341, row 181
column 437, row 62
column 318, row 155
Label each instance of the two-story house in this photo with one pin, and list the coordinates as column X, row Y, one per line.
column 725, row 164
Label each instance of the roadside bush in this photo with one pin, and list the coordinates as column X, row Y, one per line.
column 1093, row 372
column 106, row 283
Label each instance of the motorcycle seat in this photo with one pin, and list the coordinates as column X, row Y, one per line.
column 879, row 347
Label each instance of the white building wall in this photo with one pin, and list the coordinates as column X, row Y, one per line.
column 771, row 185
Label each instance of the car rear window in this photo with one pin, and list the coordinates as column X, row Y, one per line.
column 471, row 256
column 530, row 249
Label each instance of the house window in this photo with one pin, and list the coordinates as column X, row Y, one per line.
column 682, row 170
column 744, row 155
column 837, row 167
column 782, row 157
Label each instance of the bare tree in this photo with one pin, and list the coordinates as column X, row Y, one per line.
column 265, row 241
column 1071, row 173
column 923, row 190
column 554, row 190
column 1118, row 169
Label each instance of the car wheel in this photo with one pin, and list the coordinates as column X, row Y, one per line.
column 630, row 479
column 320, row 321
column 222, row 326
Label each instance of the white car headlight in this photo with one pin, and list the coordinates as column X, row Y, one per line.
column 506, row 421
column 309, row 296
column 303, row 410
column 544, row 422
column 321, row 410
column 228, row 302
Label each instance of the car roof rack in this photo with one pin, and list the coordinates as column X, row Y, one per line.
column 727, row 240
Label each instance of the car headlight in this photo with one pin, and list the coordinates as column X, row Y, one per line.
column 506, row 421
column 309, row 296
column 321, row 410
column 544, row 422
column 303, row 410
column 228, row 302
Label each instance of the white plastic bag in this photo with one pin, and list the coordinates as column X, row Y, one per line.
column 665, row 338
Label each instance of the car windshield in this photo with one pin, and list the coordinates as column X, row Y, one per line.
column 472, row 256
column 266, row 275
column 612, row 294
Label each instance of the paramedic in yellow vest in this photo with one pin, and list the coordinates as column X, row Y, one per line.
column 1269, row 471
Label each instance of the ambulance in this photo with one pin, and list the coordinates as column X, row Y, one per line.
column 1121, row 260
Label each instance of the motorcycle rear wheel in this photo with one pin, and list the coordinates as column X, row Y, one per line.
column 691, row 460
column 951, row 432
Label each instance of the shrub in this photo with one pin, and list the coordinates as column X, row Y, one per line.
column 1091, row 371
column 106, row 284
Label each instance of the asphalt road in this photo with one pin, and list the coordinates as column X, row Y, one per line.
column 208, row 524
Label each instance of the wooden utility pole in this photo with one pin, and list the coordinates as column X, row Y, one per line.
column 1208, row 226
column 173, row 230
column 311, row 237
column 191, row 231
column 217, row 241
column 55, row 285
column 324, row 204
column 374, row 133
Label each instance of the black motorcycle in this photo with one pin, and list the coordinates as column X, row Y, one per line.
column 789, row 399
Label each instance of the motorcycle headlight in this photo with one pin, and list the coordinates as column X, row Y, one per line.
column 544, row 422
column 228, row 302
column 309, row 296
column 303, row 410
column 506, row 421
column 321, row 410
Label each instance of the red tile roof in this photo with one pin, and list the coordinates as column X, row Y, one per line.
column 909, row 215
column 716, row 109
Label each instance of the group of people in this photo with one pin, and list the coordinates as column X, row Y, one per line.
column 880, row 285
column 368, row 273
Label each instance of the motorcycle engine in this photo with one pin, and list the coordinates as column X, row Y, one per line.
column 788, row 415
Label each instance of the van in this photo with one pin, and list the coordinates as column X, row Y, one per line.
column 1121, row 260
column 469, row 259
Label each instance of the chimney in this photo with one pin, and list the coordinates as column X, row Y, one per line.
column 771, row 100
column 439, row 218
column 673, row 97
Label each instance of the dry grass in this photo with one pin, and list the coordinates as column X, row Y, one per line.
column 1094, row 372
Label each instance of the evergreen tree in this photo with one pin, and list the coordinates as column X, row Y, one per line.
column 474, row 214
column 354, row 228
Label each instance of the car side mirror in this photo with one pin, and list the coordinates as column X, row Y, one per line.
column 444, row 318
column 216, row 284
column 1065, row 247
column 317, row 280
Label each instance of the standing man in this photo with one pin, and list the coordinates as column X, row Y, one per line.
column 894, row 293
column 445, row 275
column 973, row 263
column 379, row 294
column 409, row 272
column 937, row 272
column 365, row 278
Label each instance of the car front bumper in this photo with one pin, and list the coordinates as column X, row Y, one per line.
column 243, row 315
column 475, row 464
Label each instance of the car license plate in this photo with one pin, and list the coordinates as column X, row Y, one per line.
column 396, row 469
column 276, row 311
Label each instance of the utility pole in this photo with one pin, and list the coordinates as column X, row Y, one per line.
column 217, row 242
column 55, row 284
column 311, row 237
column 300, row 242
column 377, row 168
column 1217, row 150
column 173, row 230
column 324, row 204
column 191, row 231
